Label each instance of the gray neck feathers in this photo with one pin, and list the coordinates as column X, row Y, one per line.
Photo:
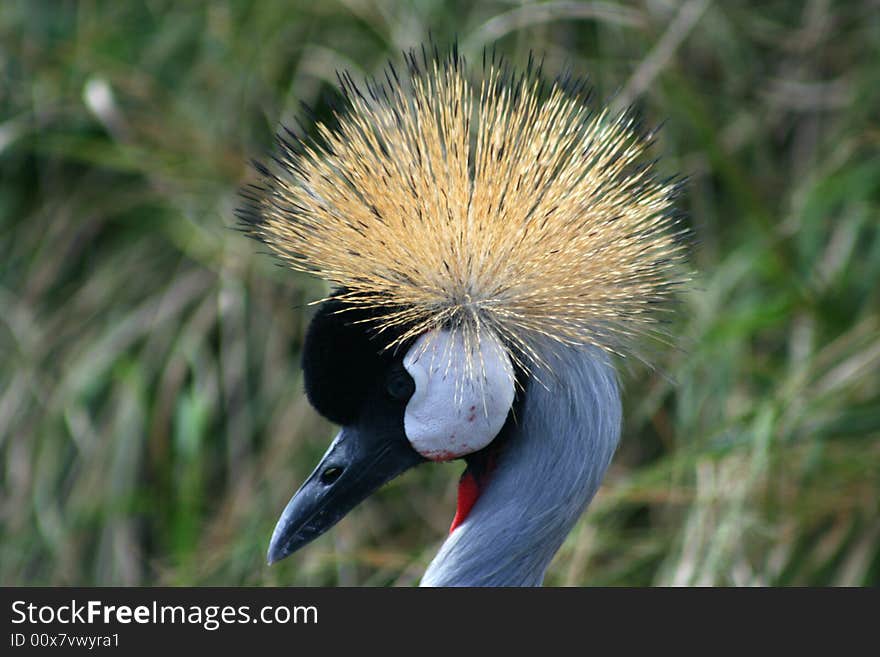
column 546, row 476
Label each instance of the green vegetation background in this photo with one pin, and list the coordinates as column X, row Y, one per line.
column 152, row 422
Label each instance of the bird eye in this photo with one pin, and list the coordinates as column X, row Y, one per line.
column 330, row 475
column 400, row 384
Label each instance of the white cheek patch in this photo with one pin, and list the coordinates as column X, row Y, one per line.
column 461, row 400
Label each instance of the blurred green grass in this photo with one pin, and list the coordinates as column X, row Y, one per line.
column 152, row 423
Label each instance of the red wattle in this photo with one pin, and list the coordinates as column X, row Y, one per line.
column 468, row 492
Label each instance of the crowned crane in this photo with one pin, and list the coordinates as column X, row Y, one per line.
column 492, row 242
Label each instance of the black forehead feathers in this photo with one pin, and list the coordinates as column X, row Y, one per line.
column 343, row 357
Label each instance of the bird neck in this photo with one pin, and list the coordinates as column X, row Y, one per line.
column 545, row 477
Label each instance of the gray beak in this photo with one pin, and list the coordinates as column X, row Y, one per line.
column 358, row 462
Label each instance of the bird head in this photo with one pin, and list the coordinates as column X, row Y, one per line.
column 469, row 223
column 428, row 400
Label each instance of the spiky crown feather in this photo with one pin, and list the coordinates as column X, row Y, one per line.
column 504, row 205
